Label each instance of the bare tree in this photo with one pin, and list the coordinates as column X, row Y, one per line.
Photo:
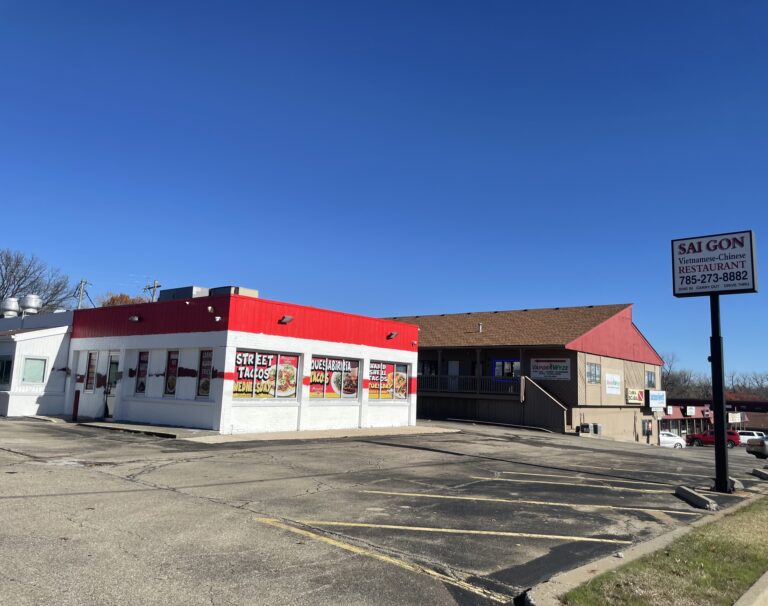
column 22, row 274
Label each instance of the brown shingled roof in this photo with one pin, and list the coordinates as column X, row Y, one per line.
column 557, row 326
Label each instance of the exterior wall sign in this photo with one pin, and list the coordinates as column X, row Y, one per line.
column 551, row 369
column 635, row 396
column 612, row 384
column 657, row 399
column 690, row 411
column 333, row 378
column 710, row 265
column 670, row 410
column 734, row 417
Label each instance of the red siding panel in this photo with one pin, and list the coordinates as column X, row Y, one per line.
column 190, row 315
column 246, row 314
column 261, row 316
column 617, row 337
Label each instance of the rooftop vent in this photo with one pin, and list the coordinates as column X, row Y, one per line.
column 234, row 290
column 184, row 292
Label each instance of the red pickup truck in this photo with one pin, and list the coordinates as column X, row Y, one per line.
column 708, row 439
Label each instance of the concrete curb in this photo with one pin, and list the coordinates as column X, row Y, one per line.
column 547, row 593
column 757, row 594
column 760, row 473
column 693, row 498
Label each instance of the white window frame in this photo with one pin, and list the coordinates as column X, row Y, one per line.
column 24, row 368
column 199, row 376
column 95, row 372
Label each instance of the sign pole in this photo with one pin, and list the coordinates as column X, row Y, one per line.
column 722, row 483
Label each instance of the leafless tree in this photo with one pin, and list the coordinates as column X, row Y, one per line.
column 22, row 274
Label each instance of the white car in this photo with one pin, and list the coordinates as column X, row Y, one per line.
column 746, row 434
column 671, row 440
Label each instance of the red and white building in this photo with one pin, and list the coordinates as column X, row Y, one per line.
column 240, row 364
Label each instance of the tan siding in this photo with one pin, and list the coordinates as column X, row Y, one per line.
column 634, row 372
column 581, row 377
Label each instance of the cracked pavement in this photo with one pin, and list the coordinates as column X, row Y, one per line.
column 476, row 517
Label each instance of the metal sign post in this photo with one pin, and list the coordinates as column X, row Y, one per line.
column 718, row 398
column 711, row 266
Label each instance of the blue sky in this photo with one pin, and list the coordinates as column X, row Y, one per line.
column 393, row 158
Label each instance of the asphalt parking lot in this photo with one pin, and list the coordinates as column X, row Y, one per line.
column 476, row 517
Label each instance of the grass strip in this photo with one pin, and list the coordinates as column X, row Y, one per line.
column 713, row 564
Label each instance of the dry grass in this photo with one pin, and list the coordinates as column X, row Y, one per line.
column 713, row 564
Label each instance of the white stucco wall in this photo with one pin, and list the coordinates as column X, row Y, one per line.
column 47, row 398
column 221, row 412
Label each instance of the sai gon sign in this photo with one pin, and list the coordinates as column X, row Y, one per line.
column 710, row 265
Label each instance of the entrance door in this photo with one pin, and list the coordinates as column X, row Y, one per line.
column 110, row 388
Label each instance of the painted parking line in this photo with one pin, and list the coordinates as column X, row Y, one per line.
column 605, row 486
column 549, row 475
column 643, row 471
column 528, row 502
column 411, row 566
column 487, row 533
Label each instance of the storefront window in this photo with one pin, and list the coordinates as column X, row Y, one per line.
column 593, row 373
column 204, row 370
column 141, row 372
column 265, row 375
column 34, row 370
column 388, row 381
column 333, row 378
column 171, row 373
column 6, row 365
column 90, row 372
column 506, row 369
column 650, row 379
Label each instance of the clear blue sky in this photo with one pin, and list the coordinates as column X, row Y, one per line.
column 392, row 158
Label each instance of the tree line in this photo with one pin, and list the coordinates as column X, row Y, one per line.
column 684, row 383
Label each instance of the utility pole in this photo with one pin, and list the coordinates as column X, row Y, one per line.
column 152, row 287
column 81, row 291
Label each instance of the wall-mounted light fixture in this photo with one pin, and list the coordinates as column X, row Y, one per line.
column 211, row 310
column 217, row 318
column 134, row 318
column 285, row 320
column 392, row 335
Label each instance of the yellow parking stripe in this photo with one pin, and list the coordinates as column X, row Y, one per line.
column 490, row 533
column 417, row 568
column 526, row 502
column 606, row 486
column 549, row 475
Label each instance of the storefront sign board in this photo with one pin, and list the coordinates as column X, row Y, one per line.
column 551, row 369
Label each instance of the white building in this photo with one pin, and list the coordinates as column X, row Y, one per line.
column 234, row 363
column 33, row 364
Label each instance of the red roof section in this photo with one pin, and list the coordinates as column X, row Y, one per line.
column 246, row 314
column 617, row 337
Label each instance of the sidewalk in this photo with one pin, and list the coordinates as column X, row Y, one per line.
column 212, row 437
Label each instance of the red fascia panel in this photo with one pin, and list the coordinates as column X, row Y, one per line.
column 261, row 316
column 165, row 317
column 617, row 337
column 245, row 314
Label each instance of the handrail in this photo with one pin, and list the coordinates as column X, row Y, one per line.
column 544, row 391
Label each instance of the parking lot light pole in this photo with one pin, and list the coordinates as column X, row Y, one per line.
column 718, row 398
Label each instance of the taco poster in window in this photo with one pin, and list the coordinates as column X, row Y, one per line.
column 387, row 381
column 317, row 378
column 204, row 376
column 244, row 366
column 287, row 374
column 264, row 374
column 350, row 380
column 171, row 373
column 373, row 380
column 334, row 377
column 401, row 382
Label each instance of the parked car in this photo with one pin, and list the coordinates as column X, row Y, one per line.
column 758, row 447
column 671, row 440
column 708, row 438
column 746, row 434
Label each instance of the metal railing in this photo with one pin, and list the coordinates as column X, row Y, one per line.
column 468, row 384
